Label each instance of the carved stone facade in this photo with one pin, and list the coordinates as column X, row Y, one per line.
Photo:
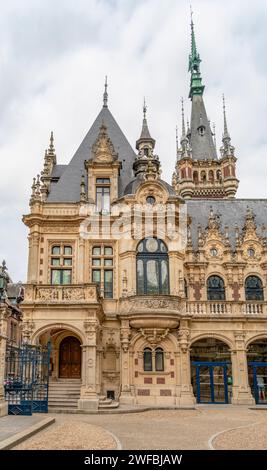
column 146, row 306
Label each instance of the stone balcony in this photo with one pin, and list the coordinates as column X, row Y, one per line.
column 68, row 293
column 226, row 309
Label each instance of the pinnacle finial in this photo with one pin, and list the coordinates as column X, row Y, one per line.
column 51, row 139
column 144, row 108
column 183, row 123
column 227, row 148
column 177, row 139
column 51, row 149
column 105, row 95
column 224, row 118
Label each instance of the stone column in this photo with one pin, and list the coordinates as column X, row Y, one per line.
column 241, row 392
column 34, row 240
column 186, row 391
column 3, row 340
column 80, row 261
column 89, row 398
column 125, row 396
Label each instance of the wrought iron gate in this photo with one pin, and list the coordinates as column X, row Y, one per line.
column 27, row 379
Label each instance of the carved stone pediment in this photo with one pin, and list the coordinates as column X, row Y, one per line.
column 103, row 150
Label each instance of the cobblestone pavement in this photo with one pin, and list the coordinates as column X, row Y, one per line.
column 157, row 429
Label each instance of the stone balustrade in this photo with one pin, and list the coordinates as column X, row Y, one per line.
column 78, row 293
column 219, row 308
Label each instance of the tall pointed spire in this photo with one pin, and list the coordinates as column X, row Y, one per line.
column 146, row 164
column 196, row 87
column 183, row 123
column 105, row 95
column 227, row 149
column 145, row 136
column 200, row 138
column 177, row 140
column 225, row 129
column 185, row 148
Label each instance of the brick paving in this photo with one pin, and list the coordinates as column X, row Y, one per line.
column 157, row 429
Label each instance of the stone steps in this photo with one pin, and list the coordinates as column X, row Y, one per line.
column 107, row 406
column 64, row 395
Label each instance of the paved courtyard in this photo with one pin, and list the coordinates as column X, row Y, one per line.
column 158, row 429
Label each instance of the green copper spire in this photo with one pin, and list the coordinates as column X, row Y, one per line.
column 196, row 87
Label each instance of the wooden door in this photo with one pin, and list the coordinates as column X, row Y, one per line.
column 70, row 358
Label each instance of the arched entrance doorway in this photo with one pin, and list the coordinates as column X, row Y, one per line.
column 211, row 371
column 70, row 358
column 257, row 370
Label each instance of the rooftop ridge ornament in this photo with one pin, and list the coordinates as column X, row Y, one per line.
column 105, row 95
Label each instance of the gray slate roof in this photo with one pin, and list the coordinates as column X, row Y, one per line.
column 58, row 170
column 68, row 187
column 202, row 145
column 231, row 211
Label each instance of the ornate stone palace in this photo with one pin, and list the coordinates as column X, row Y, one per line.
column 134, row 314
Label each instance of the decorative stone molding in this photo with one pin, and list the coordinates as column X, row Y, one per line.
column 137, row 304
column 154, row 336
column 184, row 339
column 57, row 294
column 27, row 330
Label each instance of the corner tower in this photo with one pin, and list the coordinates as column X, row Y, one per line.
column 199, row 172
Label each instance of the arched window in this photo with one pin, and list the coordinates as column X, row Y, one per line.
column 253, row 288
column 203, row 176
column 211, row 176
column 195, row 177
column 159, row 359
column 152, row 271
column 215, row 288
column 147, row 359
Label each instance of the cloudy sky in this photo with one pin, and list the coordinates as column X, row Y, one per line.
column 53, row 60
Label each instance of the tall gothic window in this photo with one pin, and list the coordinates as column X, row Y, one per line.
column 159, row 359
column 102, row 194
column 147, row 359
column 215, row 288
column 153, row 361
column 152, row 272
column 102, row 269
column 61, row 264
column 253, row 288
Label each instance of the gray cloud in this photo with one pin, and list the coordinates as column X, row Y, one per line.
column 54, row 56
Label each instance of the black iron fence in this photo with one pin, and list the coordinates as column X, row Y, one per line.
column 27, row 379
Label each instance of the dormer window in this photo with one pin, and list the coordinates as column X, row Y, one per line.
column 103, row 194
column 201, row 130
